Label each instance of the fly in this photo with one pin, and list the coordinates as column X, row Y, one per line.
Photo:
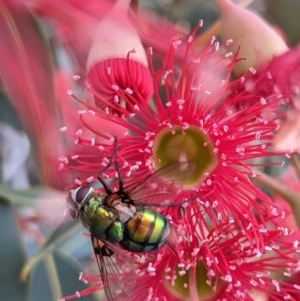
column 116, row 222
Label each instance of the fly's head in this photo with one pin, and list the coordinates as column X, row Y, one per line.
column 77, row 199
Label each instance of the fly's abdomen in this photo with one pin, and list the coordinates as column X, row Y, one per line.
column 146, row 231
column 103, row 222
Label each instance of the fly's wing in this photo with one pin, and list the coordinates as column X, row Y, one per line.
column 117, row 270
column 160, row 188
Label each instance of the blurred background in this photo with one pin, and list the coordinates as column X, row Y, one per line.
column 41, row 251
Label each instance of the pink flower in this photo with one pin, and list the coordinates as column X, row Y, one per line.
column 279, row 76
column 198, row 122
column 284, row 77
column 212, row 264
column 265, row 53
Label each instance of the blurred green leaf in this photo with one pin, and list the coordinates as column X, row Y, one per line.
column 67, row 271
column 61, row 233
column 29, row 197
column 53, row 276
column 7, row 113
column 12, row 257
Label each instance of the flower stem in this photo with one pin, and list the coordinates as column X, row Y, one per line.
column 296, row 164
column 53, row 277
column 291, row 196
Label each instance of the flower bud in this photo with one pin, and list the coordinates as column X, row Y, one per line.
column 117, row 63
column 258, row 42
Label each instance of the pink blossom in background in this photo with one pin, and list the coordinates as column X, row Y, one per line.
column 274, row 67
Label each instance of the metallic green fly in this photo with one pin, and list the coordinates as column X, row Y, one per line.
column 116, row 221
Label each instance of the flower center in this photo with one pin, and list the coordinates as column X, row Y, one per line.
column 185, row 146
column 193, row 285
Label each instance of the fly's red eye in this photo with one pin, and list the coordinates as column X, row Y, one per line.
column 82, row 193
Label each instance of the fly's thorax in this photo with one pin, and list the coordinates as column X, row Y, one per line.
column 92, row 205
column 103, row 221
column 112, row 200
column 146, row 231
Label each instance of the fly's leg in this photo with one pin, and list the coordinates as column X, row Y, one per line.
column 113, row 157
column 117, row 166
column 101, row 180
column 103, row 251
column 123, row 195
column 183, row 202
